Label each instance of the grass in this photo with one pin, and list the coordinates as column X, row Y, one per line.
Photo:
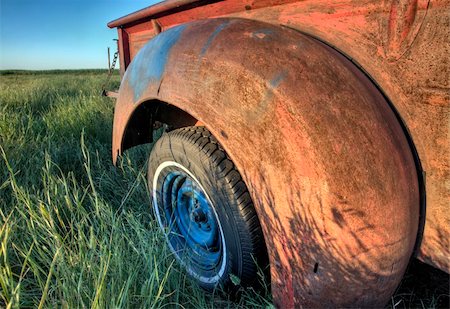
column 76, row 231
column 422, row 287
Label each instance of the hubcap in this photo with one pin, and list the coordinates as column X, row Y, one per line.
column 188, row 217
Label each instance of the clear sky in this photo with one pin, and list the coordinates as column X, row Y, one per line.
column 60, row 34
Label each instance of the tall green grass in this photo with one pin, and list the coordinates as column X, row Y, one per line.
column 76, row 232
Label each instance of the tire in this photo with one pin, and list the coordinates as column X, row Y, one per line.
column 204, row 208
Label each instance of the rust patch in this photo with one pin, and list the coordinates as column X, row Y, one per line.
column 402, row 27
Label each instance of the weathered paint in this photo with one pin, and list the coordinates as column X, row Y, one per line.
column 212, row 37
column 275, row 82
column 402, row 44
column 149, row 64
column 326, row 161
column 403, row 26
column 262, row 33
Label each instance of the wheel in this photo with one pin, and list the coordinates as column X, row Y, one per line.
column 204, row 208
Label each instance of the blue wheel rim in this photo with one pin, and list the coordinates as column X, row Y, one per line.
column 190, row 221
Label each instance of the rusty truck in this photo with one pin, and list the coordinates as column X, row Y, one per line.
column 311, row 137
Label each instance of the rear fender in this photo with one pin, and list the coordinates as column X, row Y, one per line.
column 325, row 159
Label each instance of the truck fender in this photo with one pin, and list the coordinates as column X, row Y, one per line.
column 325, row 158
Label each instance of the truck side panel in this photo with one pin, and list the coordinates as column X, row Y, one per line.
column 403, row 45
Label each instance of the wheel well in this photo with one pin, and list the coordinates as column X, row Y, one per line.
column 150, row 115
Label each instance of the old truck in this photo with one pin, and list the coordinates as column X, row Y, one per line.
column 311, row 136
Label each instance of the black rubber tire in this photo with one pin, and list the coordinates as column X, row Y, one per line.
column 196, row 149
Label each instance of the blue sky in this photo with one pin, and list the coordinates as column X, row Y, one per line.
column 59, row 34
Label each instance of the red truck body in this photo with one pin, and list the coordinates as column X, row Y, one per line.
column 388, row 61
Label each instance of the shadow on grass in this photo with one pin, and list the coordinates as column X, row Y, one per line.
column 423, row 286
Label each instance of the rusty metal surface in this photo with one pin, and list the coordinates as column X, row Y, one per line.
column 324, row 157
column 404, row 46
column 162, row 7
column 124, row 50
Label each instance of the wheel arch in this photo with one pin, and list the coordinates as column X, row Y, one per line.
column 421, row 176
column 147, row 116
column 259, row 108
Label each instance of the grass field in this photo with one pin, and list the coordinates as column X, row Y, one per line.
column 76, row 231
